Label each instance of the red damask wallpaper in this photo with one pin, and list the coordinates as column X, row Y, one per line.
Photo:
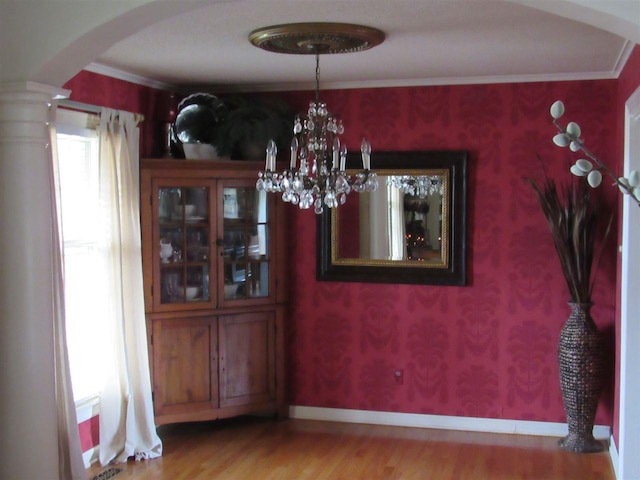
column 154, row 104
column 484, row 350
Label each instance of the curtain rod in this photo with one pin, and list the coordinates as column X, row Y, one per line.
column 86, row 107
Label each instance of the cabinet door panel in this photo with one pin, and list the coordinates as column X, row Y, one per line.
column 247, row 358
column 183, row 254
column 185, row 364
column 244, row 235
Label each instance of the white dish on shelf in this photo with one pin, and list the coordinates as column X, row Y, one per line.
column 230, row 290
column 192, row 292
column 200, row 151
column 189, row 210
column 195, row 219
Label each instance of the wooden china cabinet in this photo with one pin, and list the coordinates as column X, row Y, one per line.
column 215, row 289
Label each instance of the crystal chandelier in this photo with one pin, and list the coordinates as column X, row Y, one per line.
column 417, row 186
column 316, row 175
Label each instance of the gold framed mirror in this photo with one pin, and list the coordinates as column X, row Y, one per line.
column 412, row 229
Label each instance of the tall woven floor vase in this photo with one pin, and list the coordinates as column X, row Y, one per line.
column 581, row 362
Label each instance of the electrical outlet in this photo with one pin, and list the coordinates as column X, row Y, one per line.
column 399, row 376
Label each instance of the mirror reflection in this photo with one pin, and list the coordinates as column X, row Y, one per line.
column 412, row 229
column 401, row 221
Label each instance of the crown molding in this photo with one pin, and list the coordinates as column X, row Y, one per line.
column 625, row 53
column 614, row 73
column 128, row 77
column 413, row 82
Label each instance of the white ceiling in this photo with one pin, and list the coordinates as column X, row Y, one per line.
column 427, row 42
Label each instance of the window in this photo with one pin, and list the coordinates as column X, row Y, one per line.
column 78, row 151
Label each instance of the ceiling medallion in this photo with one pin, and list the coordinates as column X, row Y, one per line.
column 316, row 38
column 317, row 175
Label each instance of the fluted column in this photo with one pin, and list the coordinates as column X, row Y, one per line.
column 28, row 414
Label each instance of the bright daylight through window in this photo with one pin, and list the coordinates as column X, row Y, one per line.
column 83, row 265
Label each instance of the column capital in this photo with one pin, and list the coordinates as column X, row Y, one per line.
column 25, row 112
column 26, row 87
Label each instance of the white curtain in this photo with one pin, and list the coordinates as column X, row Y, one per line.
column 70, row 463
column 127, row 426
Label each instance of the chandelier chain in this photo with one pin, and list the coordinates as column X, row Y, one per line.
column 317, row 77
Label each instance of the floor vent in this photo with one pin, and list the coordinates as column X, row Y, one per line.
column 109, row 473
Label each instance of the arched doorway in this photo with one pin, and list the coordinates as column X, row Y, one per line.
column 629, row 435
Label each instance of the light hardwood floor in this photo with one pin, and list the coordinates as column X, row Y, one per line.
column 301, row 449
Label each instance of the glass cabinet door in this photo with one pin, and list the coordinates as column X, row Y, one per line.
column 182, row 239
column 245, row 233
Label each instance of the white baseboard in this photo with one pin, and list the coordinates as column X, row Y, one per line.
column 87, row 408
column 90, row 457
column 613, row 454
column 443, row 422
